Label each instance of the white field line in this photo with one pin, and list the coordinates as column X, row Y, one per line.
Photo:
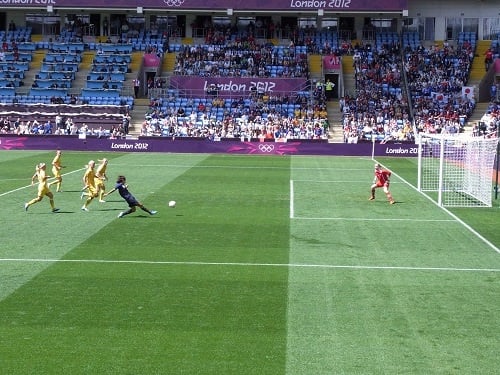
column 374, row 219
column 236, row 264
column 27, row 186
column 292, row 213
column 238, row 167
column 455, row 217
column 370, row 181
column 449, row 213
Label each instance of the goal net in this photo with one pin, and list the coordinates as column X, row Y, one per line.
column 457, row 171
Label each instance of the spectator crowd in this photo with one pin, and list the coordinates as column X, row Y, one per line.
column 399, row 90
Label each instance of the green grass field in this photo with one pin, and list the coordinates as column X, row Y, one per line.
column 267, row 265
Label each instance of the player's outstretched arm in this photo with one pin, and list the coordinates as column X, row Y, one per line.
column 109, row 192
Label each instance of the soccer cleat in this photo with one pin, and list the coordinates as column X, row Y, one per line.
column 392, row 202
column 153, row 212
column 85, row 209
column 102, row 201
column 55, row 209
column 82, row 195
column 26, row 205
column 371, row 198
column 120, row 215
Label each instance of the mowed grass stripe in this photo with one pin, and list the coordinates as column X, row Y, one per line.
column 354, row 320
column 39, row 232
column 180, row 319
column 345, row 309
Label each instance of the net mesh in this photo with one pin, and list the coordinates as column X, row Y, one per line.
column 458, row 169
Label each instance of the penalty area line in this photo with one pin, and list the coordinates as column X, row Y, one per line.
column 375, row 219
column 236, row 264
column 36, row 184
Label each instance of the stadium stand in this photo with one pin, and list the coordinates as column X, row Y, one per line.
column 402, row 83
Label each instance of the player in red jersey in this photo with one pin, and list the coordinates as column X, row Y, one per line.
column 381, row 180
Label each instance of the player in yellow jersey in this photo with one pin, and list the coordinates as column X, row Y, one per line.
column 101, row 177
column 43, row 187
column 89, row 182
column 56, row 171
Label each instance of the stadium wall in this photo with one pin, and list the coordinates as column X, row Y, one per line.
column 193, row 145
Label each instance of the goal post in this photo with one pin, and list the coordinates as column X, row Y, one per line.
column 457, row 171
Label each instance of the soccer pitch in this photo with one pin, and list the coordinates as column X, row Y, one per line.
column 267, row 265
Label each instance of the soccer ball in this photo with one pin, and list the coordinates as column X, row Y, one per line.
column 171, row 204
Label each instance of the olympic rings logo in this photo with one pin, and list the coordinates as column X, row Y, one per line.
column 266, row 147
column 174, row 3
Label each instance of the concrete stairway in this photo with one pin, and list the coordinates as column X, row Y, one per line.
column 478, row 69
column 348, row 75
column 315, row 64
column 168, row 63
column 141, row 107
column 136, row 61
column 479, row 111
column 84, row 68
column 336, row 134
column 29, row 76
column 76, row 85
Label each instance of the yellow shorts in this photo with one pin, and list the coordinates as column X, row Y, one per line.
column 43, row 190
column 92, row 191
column 99, row 183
